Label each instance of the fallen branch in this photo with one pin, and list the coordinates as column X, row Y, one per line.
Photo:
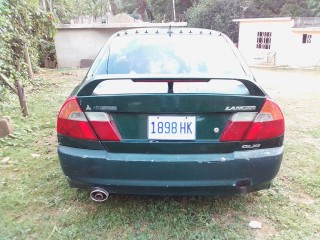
column 6, row 81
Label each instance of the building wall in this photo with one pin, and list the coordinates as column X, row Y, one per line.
column 308, row 54
column 286, row 43
column 75, row 44
column 280, row 29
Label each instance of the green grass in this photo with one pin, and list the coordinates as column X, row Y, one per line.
column 37, row 203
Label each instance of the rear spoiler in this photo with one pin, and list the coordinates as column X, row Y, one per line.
column 87, row 87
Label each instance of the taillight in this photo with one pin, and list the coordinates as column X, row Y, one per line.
column 103, row 126
column 73, row 122
column 248, row 126
column 269, row 123
column 238, row 126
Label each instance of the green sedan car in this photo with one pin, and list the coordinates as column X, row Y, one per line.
column 169, row 111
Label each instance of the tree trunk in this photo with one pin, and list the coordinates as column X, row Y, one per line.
column 21, row 95
column 28, row 61
column 22, row 98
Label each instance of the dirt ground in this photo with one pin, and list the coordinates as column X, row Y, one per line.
column 289, row 83
column 298, row 93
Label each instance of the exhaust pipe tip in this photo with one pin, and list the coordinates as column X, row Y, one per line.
column 99, row 195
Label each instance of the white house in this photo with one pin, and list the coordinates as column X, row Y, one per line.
column 285, row 41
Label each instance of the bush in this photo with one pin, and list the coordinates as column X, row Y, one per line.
column 23, row 25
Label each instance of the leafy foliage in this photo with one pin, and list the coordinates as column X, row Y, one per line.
column 217, row 15
column 315, row 6
column 279, row 8
column 23, row 24
column 68, row 9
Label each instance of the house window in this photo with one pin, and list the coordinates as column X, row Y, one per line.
column 306, row 38
column 264, row 40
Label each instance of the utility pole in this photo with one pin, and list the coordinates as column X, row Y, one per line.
column 174, row 10
column 44, row 5
column 110, row 7
column 50, row 5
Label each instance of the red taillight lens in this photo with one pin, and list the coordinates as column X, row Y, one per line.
column 73, row 122
column 248, row 126
column 269, row 123
column 103, row 126
column 238, row 126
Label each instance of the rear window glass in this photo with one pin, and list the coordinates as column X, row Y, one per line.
column 127, row 86
column 178, row 54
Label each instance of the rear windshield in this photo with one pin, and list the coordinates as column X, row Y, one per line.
column 178, row 54
column 127, row 86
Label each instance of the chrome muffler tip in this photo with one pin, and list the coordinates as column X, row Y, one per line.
column 99, row 195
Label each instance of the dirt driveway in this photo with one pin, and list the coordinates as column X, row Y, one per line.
column 298, row 93
column 289, row 83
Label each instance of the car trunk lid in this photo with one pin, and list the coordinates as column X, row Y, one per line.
column 170, row 116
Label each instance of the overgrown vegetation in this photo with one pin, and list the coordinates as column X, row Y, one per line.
column 23, row 25
column 217, row 15
column 26, row 40
column 37, row 203
column 68, row 9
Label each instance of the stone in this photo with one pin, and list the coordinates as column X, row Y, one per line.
column 5, row 160
column 255, row 225
column 6, row 127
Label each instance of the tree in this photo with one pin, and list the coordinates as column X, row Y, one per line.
column 216, row 15
column 65, row 10
column 22, row 28
column 138, row 9
column 279, row 8
column 314, row 5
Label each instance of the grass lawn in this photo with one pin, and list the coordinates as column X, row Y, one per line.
column 37, row 203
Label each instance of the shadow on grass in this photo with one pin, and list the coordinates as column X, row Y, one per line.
column 171, row 204
column 164, row 217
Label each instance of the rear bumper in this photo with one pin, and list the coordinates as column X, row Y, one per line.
column 171, row 174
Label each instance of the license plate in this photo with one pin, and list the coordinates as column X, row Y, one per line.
column 172, row 127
